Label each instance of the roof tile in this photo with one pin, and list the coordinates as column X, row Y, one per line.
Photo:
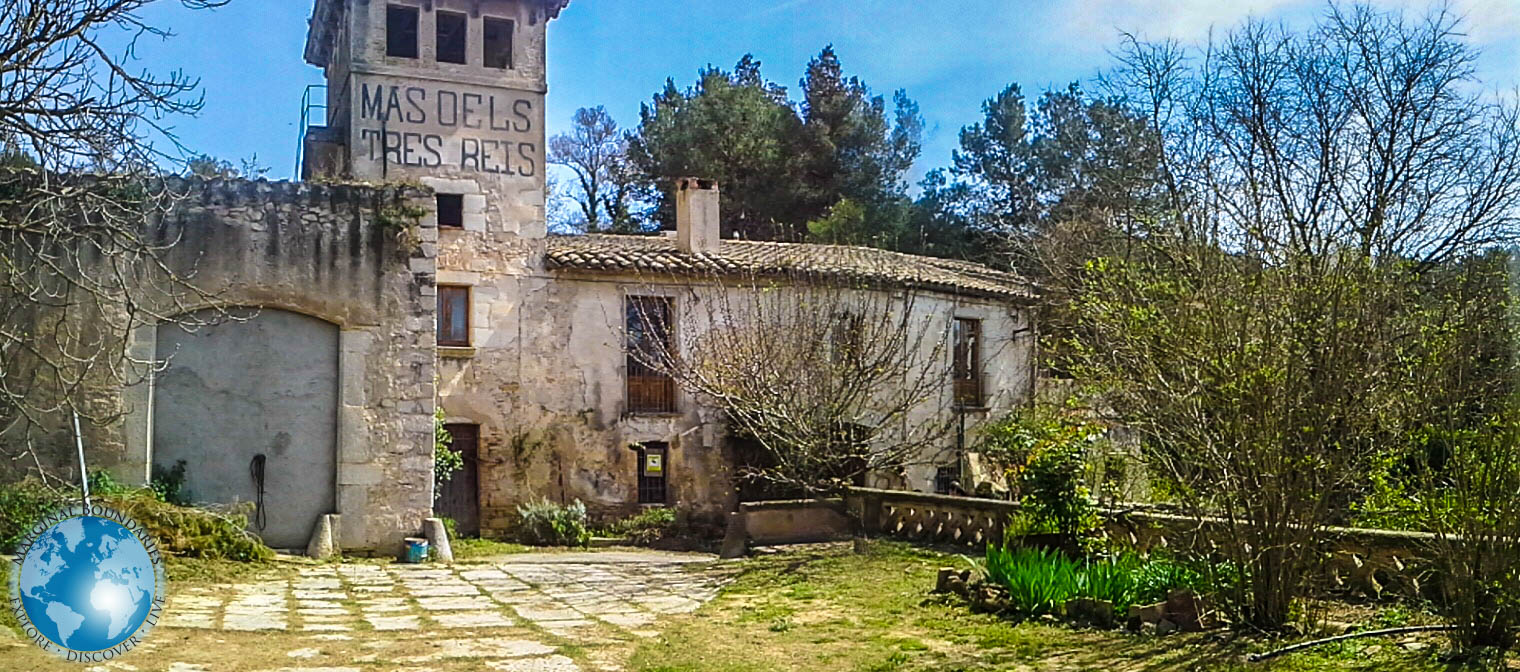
column 599, row 252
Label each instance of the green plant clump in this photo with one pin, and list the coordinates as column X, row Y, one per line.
column 21, row 506
column 1040, row 581
column 1043, row 454
column 648, row 527
column 180, row 530
column 446, row 460
column 544, row 523
column 190, row 532
column 168, row 485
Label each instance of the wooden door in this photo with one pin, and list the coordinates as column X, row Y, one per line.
column 459, row 497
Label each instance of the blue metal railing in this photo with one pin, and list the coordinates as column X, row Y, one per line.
column 307, row 107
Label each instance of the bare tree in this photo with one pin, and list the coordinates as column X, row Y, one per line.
column 596, row 152
column 78, row 267
column 1260, row 336
column 833, row 381
column 1369, row 131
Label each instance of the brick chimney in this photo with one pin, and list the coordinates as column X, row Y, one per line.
column 697, row 215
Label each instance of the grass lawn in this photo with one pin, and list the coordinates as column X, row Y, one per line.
column 466, row 550
column 828, row 609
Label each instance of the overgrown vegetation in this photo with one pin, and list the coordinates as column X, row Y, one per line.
column 446, row 460
column 180, row 530
column 544, row 523
column 1298, row 306
column 22, row 505
column 647, row 527
column 7, row 617
column 1043, row 455
column 1041, row 581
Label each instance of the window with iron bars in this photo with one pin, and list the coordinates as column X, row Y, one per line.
column 967, row 366
column 648, row 324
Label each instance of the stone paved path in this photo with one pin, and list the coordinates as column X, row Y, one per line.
column 516, row 614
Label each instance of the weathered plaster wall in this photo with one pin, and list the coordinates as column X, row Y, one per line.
column 350, row 256
column 545, row 380
column 269, row 383
column 461, row 128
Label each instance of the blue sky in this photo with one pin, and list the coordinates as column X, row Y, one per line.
column 948, row 54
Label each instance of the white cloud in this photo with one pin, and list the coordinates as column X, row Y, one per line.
column 1487, row 21
column 1156, row 19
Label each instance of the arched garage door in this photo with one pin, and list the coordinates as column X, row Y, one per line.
column 240, row 390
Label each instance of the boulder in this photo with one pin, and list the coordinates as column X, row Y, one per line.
column 1189, row 611
column 1147, row 613
column 1091, row 611
column 438, row 539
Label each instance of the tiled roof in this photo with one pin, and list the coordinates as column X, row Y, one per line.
column 659, row 254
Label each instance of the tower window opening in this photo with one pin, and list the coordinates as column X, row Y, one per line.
column 453, row 34
column 401, row 31
column 450, row 211
column 498, row 43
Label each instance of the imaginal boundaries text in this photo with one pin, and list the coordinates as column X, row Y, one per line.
column 460, row 125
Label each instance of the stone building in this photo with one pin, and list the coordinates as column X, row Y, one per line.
column 367, row 308
column 532, row 370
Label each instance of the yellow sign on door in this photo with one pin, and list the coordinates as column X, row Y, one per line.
column 654, row 464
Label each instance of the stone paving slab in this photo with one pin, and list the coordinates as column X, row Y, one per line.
column 495, row 613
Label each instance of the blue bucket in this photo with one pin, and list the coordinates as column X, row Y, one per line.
column 416, row 550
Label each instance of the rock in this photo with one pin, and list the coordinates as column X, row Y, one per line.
column 1165, row 627
column 957, row 586
column 438, row 539
column 942, row 580
column 1186, row 610
column 1148, row 613
column 735, row 537
column 323, row 539
column 1087, row 610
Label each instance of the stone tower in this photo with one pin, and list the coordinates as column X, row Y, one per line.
column 449, row 93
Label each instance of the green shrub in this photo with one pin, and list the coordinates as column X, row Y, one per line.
column 7, row 618
column 1040, row 581
column 22, row 505
column 168, row 485
column 544, row 523
column 648, row 527
column 183, row 531
column 1043, row 454
column 446, row 460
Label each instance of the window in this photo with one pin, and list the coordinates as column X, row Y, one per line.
column 498, row 41
column 453, row 34
column 450, row 211
column 454, row 316
column 653, row 469
column 649, row 343
column 401, row 31
column 945, row 478
column 967, row 367
column 848, row 348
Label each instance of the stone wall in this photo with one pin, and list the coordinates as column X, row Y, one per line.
column 1361, row 561
column 357, row 257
